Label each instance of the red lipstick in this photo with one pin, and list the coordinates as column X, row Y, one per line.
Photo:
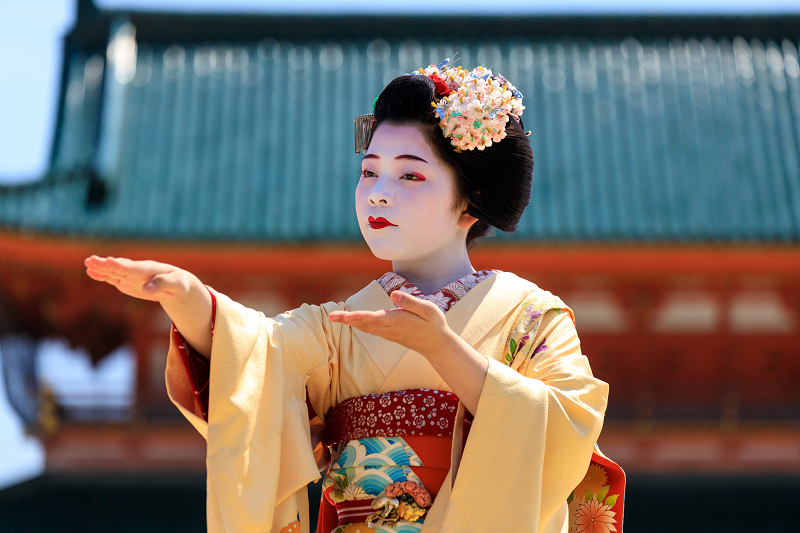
column 379, row 223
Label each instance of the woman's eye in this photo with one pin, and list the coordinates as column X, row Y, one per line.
column 368, row 174
column 413, row 177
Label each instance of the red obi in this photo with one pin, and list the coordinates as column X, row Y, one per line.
column 404, row 413
column 425, row 420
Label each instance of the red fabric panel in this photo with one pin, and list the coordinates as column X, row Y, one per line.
column 328, row 519
column 616, row 480
column 197, row 367
column 434, row 452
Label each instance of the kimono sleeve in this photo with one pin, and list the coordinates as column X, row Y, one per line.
column 534, row 430
column 259, row 456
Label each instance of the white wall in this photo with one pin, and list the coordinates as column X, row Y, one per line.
column 21, row 456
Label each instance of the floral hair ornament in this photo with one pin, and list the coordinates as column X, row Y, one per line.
column 473, row 108
column 475, row 105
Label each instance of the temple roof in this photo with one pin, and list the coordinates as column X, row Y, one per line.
column 198, row 128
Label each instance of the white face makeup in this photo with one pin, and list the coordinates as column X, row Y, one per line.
column 404, row 199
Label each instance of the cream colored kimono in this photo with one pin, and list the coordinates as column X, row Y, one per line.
column 531, row 441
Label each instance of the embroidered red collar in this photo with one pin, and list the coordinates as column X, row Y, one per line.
column 444, row 298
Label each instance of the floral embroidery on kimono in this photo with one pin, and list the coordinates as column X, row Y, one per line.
column 590, row 504
column 530, row 316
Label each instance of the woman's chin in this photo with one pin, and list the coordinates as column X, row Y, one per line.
column 385, row 251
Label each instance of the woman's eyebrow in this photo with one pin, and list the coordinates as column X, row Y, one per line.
column 409, row 156
column 404, row 156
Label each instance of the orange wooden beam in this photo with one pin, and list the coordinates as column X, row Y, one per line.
column 67, row 254
column 114, row 448
column 704, row 450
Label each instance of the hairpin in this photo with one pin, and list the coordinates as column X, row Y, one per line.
column 365, row 127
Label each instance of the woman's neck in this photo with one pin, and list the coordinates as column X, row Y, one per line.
column 430, row 274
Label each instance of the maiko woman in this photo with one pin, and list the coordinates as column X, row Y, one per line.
column 448, row 399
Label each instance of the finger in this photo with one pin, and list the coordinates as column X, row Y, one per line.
column 96, row 263
column 102, row 277
column 337, row 316
column 369, row 325
column 422, row 308
column 365, row 321
column 94, row 274
column 105, row 273
column 119, row 264
column 358, row 314
column 349, row 318
column 108, row 265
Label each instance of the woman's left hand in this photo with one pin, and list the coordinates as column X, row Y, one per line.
column 420, row 325
column 417, row 324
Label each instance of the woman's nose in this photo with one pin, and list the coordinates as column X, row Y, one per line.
column 379, row 194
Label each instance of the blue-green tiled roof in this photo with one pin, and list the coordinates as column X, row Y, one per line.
column 677, row 140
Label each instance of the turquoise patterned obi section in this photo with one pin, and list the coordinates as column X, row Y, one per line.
column 361, row 471
column 375, row 480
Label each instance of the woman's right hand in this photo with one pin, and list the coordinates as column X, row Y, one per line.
column 147, row 280
column 182, row 295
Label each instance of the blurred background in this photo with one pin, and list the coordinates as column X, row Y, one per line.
column 216, row 136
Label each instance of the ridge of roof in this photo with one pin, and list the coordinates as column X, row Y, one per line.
column 163, row 26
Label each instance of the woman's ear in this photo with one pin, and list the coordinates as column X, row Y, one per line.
column 465, row 220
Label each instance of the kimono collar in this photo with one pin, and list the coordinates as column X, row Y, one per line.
column 472, row 317
column 444, row 298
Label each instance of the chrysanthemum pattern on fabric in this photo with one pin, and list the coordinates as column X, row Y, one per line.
column 444, row 298
column 590, row 504
column 594, row 517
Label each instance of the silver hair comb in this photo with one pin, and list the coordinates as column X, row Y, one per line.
column 365, row 127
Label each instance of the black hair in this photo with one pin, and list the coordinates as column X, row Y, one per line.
column 495, row 182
